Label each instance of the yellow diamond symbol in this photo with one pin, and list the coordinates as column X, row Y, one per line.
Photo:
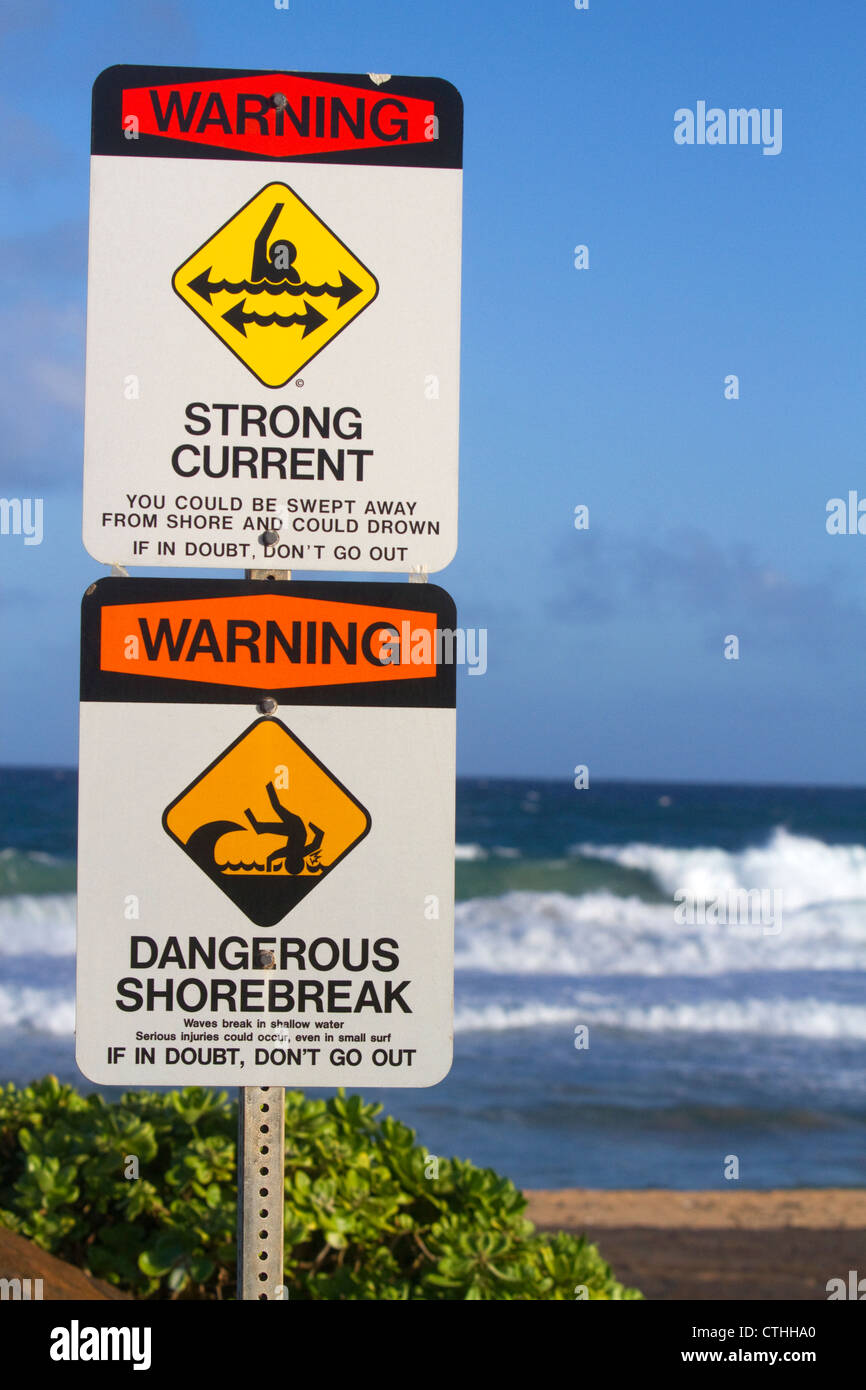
column 266, row 821
column 275, row 284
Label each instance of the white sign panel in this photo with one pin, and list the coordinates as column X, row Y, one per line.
column 273, row 320
column 265, row 898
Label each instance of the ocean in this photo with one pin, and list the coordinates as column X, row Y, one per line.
column 605, row 1035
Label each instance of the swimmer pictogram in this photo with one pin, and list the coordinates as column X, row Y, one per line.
column 266, row 821
column 277, row 251
column 273, row 272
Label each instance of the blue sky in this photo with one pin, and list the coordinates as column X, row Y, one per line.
column 603, row 386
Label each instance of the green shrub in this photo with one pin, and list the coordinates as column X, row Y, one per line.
column 362, row 1219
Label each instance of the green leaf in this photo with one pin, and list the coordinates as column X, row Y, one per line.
column 153, row 1267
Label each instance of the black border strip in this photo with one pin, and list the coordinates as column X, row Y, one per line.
column 107, row 135
column 425, row 692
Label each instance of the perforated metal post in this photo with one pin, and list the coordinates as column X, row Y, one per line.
column 261, row 1160
column 261, row 1125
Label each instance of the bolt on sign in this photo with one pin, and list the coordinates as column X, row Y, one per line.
column 266, row 833
column 273, row 320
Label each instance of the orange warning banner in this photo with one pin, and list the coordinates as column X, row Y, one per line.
column 268, row 640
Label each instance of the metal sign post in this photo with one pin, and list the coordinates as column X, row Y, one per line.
column 261, row 1122
column 261, row 1162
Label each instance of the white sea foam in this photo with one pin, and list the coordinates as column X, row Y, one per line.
column 602, row 934
column 34, row 856
column 497, row 1018
column 32, row 924
column 35, row 1010
column 818, row 1019
column 466, row 853
column 807, row 871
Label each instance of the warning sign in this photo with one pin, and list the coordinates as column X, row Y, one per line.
column 273, row 321
column 298, row 822
column 266, row 833
column 275, row 284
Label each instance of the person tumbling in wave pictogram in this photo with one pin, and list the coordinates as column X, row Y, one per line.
column 296, row 850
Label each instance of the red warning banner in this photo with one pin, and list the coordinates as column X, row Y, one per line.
column 279, row 115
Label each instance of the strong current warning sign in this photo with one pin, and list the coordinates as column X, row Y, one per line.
column 266, row 833
column 273, row 320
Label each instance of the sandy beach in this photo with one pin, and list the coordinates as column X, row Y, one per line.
column 736, row 1244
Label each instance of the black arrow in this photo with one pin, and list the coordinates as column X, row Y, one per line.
column 347, row 290
column 201, row 285
column 205, row 287
column 237, row 317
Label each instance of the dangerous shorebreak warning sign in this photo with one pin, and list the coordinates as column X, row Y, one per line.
column 266, row 833
column 273, row 320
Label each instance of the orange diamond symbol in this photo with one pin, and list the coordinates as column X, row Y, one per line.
column 266, row 822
